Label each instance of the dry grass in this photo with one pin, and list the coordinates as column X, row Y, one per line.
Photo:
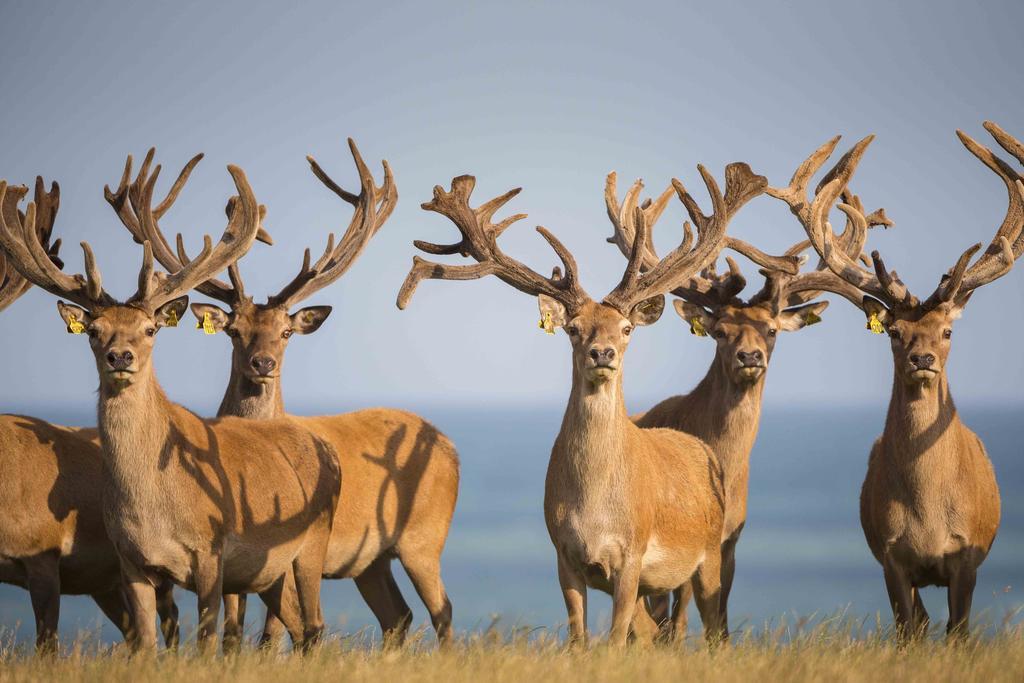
column 831, row 650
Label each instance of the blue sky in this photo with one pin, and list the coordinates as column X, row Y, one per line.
column 547, row 96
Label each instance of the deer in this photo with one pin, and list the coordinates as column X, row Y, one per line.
column 214, row 505
column 630, row 511
column 724, row 409
column 929, row 505
column 52, row 539
column 401, row 473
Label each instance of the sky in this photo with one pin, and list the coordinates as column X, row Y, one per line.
column 546, row 96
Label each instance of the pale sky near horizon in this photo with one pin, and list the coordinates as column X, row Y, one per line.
column 547, row 96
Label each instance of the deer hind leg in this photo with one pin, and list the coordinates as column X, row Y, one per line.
column 898, row 586
column 680, row 606
column 424, row 570
column 960, row 595
column 114, row 605
column 234, row 622
column 141, row 597
column 43, row 579
column 379, row 589
column 167, row 610
column 644, row 629
column 209, row 582
column 707, row 590
column 574, row 592
column 308, row 567
column 921, row 619
column 283, row 612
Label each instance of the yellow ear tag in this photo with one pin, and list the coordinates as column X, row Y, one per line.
column 812, row 318
column 172, row 319
column 875, row 325
column 697, row 327
column 75, row 327
column 547, row 324
column 207, row 325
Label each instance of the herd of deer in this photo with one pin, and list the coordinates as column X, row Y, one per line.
column 642, row 507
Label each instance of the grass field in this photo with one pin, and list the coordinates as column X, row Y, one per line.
column 832, row 650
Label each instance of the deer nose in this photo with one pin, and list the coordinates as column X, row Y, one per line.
column 922, row 361
column 750, row 358
column 263, row 364
column 119, row 360
column 605, row 355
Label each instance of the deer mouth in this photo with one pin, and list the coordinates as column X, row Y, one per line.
column 121, row 374
column 602, row 372
column 750, row 372
column 923, row 374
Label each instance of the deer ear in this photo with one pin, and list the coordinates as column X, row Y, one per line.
column 170, row 313
column 552, row 313
column 76, row 318
column 648, row 311
column 798, row 317
column 697, row 317
column 309, row 320
column 218, row 317
column 876, row 310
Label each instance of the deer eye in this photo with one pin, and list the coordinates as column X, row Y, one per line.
column 894, row 334
column 573, row 331
column 772, row 331
column 627, row 330
column 150, row 331
column 718, row 334
column 286, row 334
column 231, row 332
column 92, row 331
column 947, row 333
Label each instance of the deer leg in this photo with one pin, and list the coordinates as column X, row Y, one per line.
column 168, row 612
column 43, row 579
column 112, row 604
column 574, row 592
column 208, row 576
column 308, row 568
column 681, row 603
column 624, row 598
column 643, row 630
column 378, row 588
column 234, row 622
column 707, row 589
column 424, row 570
column 728, row 573
column 959, row 596
column 282, row 603
column 898, row 586
column 921, row 620
column 658, row 607
column 141, row 596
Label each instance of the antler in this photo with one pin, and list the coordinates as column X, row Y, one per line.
column 646, row 276
column 373, row 205
column 127, row 203
column 479, row 241
column 12, row 283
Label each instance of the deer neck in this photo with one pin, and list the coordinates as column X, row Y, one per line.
column 134, row 425
column 728, row 413
column 592, row 440
column 245, row 398
column 921, row 418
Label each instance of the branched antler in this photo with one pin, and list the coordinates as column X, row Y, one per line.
column 12, row 283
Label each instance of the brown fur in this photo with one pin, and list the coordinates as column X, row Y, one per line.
column 401, row 475
column 630, row 511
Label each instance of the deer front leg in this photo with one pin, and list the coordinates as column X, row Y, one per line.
column 707, row 589
column 680, row 604
column 959, row 596
column 624, row 598
column 897, row 584
column 168, row 611
column 43, row 574
column 234, row 622
column 644, row 629
column 208, row 576
column 141, row 596
column 282, row 603
column 728, row 573
column 574, row 592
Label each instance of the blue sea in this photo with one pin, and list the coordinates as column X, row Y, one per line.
column 802, row 552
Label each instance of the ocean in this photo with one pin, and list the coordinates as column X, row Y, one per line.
column 802, row 553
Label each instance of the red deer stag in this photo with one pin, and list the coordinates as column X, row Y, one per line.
column 213, row 505
column 401, row 474
column 630, row 511
column 724, row 409
column 52, row 540
column 930, row 503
